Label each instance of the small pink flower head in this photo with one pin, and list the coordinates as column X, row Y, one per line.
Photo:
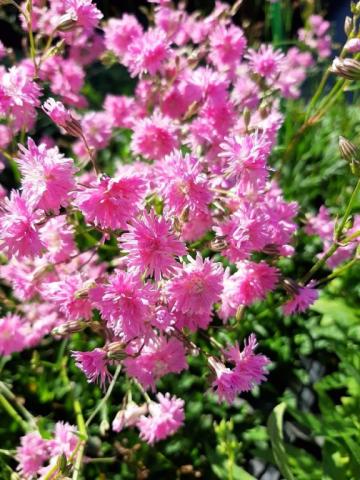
column 246, row 157
column 111, row 202
column 196, row 286
column 154, row 137
column 183, row 184
column 68, row 295
column 121, row 109
column 21, row 91
column 353, row 45
column 266, row 62
column 48, row 177
column 227, row 45
column 165, row 418
column 94, row 365
column 128, row 417
column 18, row 233
column 31, row 454
column 151, row 246
column 250, row 283
column 13, row 334
column 122, row 32
column 248, row 370
column 126, row 304
column 65, row 440
column 303, row 299
column 85, row 12
column 58, row 238
column 159, row 357
column 57, row 112
column 148, row 53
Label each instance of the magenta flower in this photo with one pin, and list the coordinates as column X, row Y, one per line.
column 164, row 419
column 127, row 304
column 48, row 177
column 303, row 299
column 266, row 62
column 31, row 454
column 94, row 365
column 13, row 334
column 111, row 203
column 151, row 247
column 85, row 12
column 122, row 32
column 227, row 45
column 58, row 238
column 196, row 286
column 19, row 236
column 57, row 112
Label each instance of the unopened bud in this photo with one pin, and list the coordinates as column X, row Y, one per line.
column 355, row 8
column 348, row 68
column 271, row 249
column 291, row 287
column 73, row 127
column 62, row 462
column 350, row 153
column 348, row 25
column 55, row 50
column 247, row 117
column 68, row 328
column 115, row 351
column 84, row 291
column 218, row 244
column 67, row 23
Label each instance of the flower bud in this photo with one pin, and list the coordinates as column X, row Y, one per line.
column 348, row 25
column 290, row 286
column 348, row 68
column 350, row 153
column 218, row 244
column 115, row 351
column 68, row 328
column 73, row 127
column 352, row 45
column 67, row 23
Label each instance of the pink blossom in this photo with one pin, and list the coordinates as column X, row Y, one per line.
column 301, row 301
column 353, row 45
column 129, row 416
column 85, row 12
column 227, row 45
column 151, row 246
column 57, row 112
column 251, row 282
column 196, row 286
column 18, row 233
column 154, row 137
column 94, row 365
column 111, row 202
column 13, row 334
column 65, row 440
column 31, row 454
column 157, row 358
column 126, row 304
column 48, row 177
column 58, row 237
column 266, row 62
column 121, row 109
column 68, row 295
column 248, row 370
column 164, row 419
column 121, row 33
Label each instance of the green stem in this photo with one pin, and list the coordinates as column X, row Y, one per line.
column 12, row 398
column 13, row 413
column 106, row 396
column 341, row 226
column 339, row 271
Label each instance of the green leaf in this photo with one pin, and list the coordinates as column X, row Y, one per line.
column 274, row 425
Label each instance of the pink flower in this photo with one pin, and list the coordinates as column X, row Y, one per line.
column 154, row 137
column 183, row 184
column 129, row 416
column 246, row 159
column 94, row 365
column 69, row 294
column 31, row 454
column 196, row 286
column 48, row 177
column 164, row 419
column 157, row 358
column 147, row 53
column 251, row 282
column 18, row 234
column 266, row 62
column 65, row 440
column 151, row 247
column 13, row 334
column 85, row 12
column 353, row 45
column 227, row 45
column 121, row 33
column 57, row 112
column 305, row 297
column 58, row 238
column 111, row 202
column 248, row 370
column 126, row 304
column 121, row 110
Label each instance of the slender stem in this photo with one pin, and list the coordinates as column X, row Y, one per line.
column 91, row 154
column 336, row 273
column 13, row 413
column 12, row 398
column 348, row 210
column 142, row 390
column 101, row 460
column 106, row 396
column 83, row 432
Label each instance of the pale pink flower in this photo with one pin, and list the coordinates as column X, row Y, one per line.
column 13, row 334
column 85, row 13
column 48, row 176
column 154, row 137
column 353, row 45
column 18, row 233
column 122, row 110
column 164, row 419
column 250, row 283
column 122, row 32
column 196, row 286
column 94, row 365
column 57, row 112
column 58, row 238
column 65, row 440
column 266, row 62
column 157, row 358
column 301, row 301
column 151, row 247
column 126, row 304
column 111, row 202
column 31, row 454
column 129, row 416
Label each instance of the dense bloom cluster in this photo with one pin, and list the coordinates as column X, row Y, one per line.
column 198, row 196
